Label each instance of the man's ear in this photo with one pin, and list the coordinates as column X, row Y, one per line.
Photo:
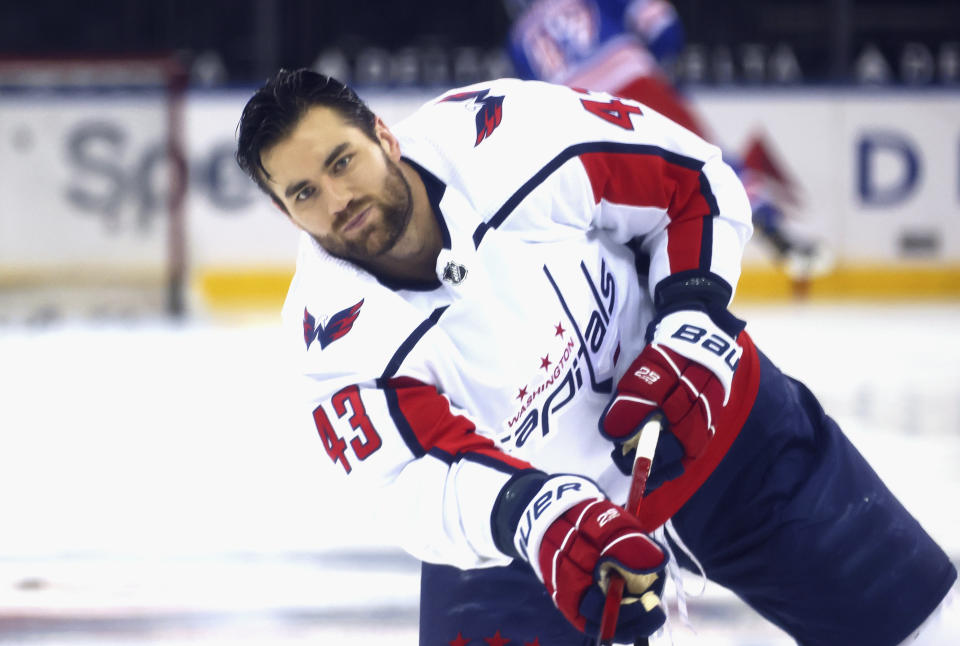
column 387, row 140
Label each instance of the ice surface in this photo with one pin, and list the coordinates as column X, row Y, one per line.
column 158, row 487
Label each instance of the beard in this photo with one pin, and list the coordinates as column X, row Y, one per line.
column 394, row 202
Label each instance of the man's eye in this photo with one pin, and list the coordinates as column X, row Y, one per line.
column 304, row 194
column 342, row 163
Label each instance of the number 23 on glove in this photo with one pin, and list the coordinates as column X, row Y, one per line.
column 686, row 372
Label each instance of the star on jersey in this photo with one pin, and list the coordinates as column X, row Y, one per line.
column 489, row 113
column 545, row 362
column 522, row 393
column 496, row 640
column 559, row 330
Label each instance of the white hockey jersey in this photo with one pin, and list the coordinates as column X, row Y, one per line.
column 428, row 397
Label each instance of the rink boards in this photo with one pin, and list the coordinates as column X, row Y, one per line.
column 875, row 177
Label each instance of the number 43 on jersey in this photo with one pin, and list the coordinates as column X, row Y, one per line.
column 368, row 440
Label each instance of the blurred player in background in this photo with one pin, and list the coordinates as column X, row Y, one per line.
column 513, row 265
column 629, row 48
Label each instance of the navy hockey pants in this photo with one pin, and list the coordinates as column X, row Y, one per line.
column 793, row 520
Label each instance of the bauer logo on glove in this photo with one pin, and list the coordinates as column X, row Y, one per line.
column 694, row 335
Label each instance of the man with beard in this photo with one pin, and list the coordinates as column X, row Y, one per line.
column 481, row 286
column 356, row 201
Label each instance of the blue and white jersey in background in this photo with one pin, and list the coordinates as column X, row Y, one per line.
column 550, row 39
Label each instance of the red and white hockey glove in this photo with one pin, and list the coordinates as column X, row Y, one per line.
column 685, row 372
column 572, row 536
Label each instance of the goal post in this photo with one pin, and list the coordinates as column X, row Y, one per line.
column 93, row 179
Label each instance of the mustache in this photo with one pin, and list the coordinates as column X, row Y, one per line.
column 347, row 213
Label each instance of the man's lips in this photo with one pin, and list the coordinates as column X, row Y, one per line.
column 356, row 220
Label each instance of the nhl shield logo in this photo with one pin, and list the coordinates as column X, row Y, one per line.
column 454, row 273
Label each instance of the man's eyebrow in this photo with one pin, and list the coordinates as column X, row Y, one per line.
column 294, row 188
column 332, row 157
column 334, row 154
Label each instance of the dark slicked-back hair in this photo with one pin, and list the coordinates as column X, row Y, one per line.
column 275, row 109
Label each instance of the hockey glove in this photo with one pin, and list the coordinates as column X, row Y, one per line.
column 572, row 536
column 685, row 372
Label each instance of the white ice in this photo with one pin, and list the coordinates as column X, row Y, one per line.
column 158, row 474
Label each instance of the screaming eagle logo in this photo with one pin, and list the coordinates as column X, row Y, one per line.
column 338, row 326
column 489, row 114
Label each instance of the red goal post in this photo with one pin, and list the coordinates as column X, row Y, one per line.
column 92, row 218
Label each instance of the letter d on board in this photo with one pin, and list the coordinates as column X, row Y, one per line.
column 885, row 146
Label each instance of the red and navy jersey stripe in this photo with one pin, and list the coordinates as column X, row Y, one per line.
column 428, row 426
column 424, row 420
column 640, row 175
column 646, row 176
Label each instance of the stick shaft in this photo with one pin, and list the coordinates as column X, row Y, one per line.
column 646, row 447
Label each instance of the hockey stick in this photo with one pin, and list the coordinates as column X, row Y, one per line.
column 646, row 446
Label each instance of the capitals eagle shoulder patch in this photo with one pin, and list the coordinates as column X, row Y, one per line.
column 337, row 326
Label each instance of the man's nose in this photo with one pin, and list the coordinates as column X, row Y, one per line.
column 338, row 195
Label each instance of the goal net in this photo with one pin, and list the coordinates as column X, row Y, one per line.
column 92, row 185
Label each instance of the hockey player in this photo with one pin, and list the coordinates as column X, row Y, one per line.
column 629, row 49
column 489, row 300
